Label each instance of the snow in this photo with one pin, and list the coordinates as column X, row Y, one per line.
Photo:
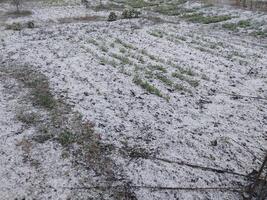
column 180, row 129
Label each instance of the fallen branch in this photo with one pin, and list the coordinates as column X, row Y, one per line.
column 221, row 171
column 247, row 149
column 245, row 96
column 238, row 189
column 258, row 187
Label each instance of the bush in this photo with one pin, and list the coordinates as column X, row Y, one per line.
column 128, row 14
column 112, row 17
column 14, row 27
column 30, row 24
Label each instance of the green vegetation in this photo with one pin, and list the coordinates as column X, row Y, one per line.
column 180, row 87
column 129, row 14
column 172, row 9
column 152, row 57
column 108, row 6
column 39, row 87
column 103, row 60
column 112, row 17
column 157, row 67
column 139, row 3
column 164, row 79
column 182, row 77
column 157, row 33
column 27, row 117
column 61, row 124
column 122, row 50
column 124, row 60
column 259, row 33
column 124, row 44
column 146, row 86
column 14, row 26
column 104, row 48
column 235, row 26
column 93, row 41
column 200, row 18
column 66, row 138
column 188, row 71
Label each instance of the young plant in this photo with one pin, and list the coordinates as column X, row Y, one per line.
column 112, row 17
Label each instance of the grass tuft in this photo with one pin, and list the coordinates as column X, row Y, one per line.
column 200, row 18
column 146, row 86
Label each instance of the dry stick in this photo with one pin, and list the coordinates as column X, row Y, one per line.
column 188, row 188
column 263, row 191
column 221, row 171
column 247, row 149
column 262, row 166
column 239, row 95
column 252, row 190
column 160, row 188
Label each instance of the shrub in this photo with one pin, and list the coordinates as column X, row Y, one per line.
column 128, row 14
column 30, row 24
column 112, row 17
column 66, row 138
column 15, row 26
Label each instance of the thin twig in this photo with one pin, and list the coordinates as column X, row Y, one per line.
column 258, row 179
column 239, row 95
column 159, row 188
column 247, row 149
column 221, row 171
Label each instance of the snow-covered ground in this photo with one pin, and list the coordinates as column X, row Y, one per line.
column 175, row 99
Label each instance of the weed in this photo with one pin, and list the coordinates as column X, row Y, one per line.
column 146, row 86
column 172, row 10
column 104, row 48
column 192, row 82
column 152, row 57
column 205, row 77
column 182, row 77
column 235, row 26
column 157, row 33
column 122, row 50
column 27, row 117
column 66, row 138
column 164, row 79
column 260, row 34
column 179, row 87
column 138, row 3
column 113, row 63
column 112, row 45
column 39, row 87
column 15, row 26
column 108, row 6
column 127, row 46
column 188, row 72
column 128, row 14
column 103, row 60
column 200, row 18
column 124, row 60
column 244, row 23
column 42, row 138
column 93, row 41
column 112, row 17
column 157, row 67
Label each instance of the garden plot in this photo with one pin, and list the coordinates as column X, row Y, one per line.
column 177, row 105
